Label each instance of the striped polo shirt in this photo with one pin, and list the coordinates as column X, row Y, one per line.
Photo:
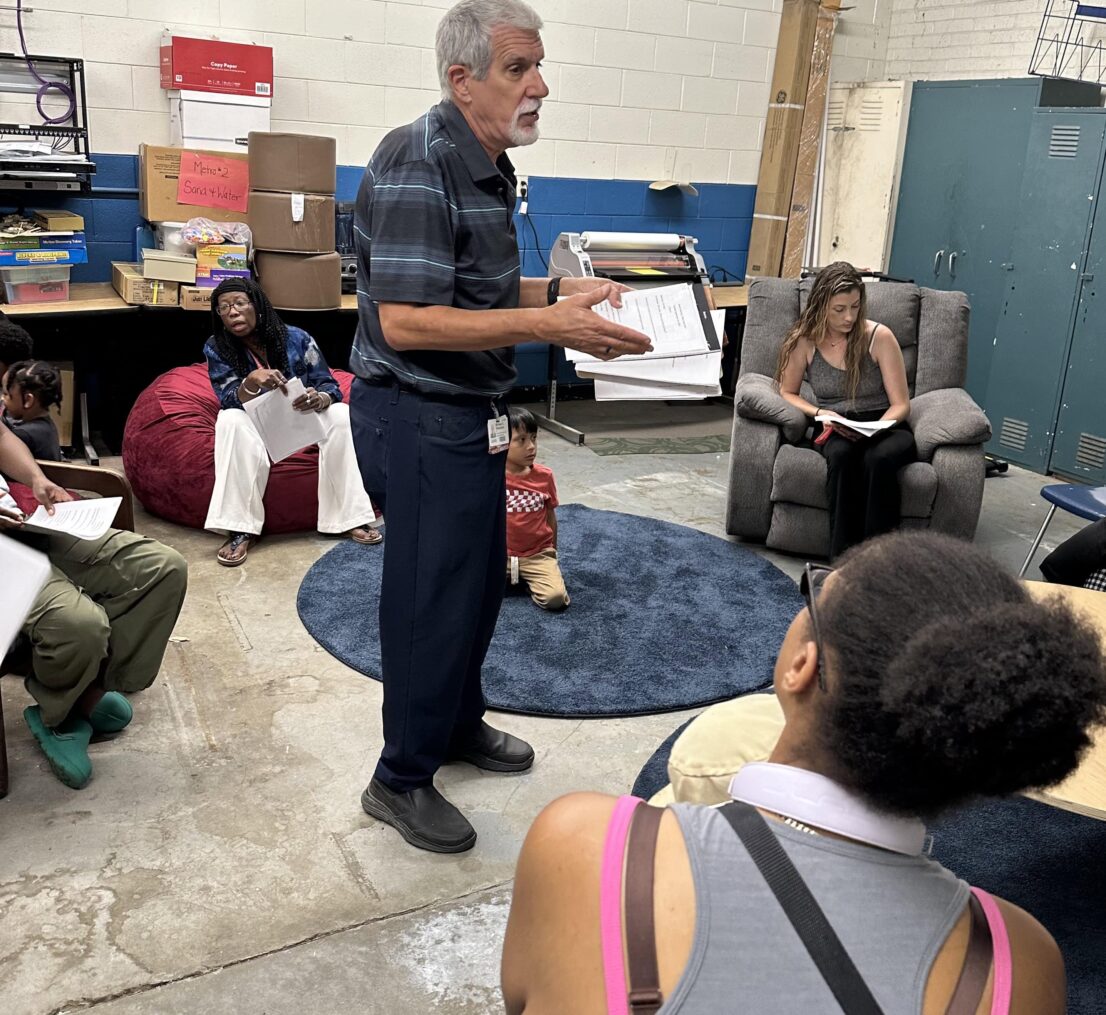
column 434, row 225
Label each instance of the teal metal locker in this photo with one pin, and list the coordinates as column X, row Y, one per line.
column 1063, row 167
column 1079, row 450
column 958, row 194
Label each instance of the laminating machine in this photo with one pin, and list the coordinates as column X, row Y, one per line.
column 639, row 260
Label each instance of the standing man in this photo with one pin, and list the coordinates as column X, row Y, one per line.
column 442, row 305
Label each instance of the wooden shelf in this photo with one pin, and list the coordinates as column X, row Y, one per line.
column 84, row 298
column 730, row 296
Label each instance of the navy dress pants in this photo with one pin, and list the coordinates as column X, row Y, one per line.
column 425, row 462
column 1077, row 558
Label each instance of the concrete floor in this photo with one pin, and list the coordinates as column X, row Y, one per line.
column 219, row 860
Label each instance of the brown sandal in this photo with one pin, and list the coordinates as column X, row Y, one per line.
column 236, row 541
column 365, row 535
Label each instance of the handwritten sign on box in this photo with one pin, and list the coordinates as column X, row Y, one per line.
column 213, row 181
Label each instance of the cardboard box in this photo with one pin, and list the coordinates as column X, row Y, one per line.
column 168, row 267
column 58, row 220
column 194, row 297
column 300, row 281
column 129, row 281
column 293, row 162
column 215, row 121
column 217, row 261
column 62, row 414
column 211, row 65
column 293, row 222
column 158, row 177
column 782, row 130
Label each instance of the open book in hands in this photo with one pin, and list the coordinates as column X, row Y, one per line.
column 853, row 429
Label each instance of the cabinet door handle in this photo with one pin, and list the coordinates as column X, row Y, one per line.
column 952, row 263
column 937, row 261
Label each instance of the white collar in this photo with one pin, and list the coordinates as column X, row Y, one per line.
column 815, row 800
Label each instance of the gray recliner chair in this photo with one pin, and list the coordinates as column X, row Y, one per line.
column 778, row 479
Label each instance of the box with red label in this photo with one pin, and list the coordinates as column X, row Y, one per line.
column 211, row 65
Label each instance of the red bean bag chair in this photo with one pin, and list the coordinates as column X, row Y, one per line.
column 169, row 455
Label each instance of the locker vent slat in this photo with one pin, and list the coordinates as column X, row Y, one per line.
column 835, row 117
column 1063, row 143
column 1013, row 434
column 1091, row 452
column 871, row 113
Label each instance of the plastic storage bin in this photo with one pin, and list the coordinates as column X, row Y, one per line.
column 46, row 284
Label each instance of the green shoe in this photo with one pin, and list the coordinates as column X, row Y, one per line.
column 65, row 747
column 111, row 714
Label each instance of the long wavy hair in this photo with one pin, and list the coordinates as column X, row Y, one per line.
column 272, row 331
column 833, row 280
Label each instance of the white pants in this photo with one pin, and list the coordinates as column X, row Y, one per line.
column 242, row 473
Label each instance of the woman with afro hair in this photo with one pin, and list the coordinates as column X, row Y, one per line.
column 918, row 676
column 251, row 351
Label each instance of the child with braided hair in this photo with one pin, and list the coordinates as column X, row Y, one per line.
column 29, row 389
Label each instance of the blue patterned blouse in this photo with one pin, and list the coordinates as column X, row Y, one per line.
column 305, row 361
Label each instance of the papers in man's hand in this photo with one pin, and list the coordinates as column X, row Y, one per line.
column 284, row 430
column 668, row 314
column 687, row 356
column 25, row 572
column 82, row 519
column 864, row 429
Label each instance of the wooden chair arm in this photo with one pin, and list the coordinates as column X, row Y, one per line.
column 98, row 480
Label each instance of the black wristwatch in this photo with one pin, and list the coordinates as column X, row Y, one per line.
column 554, row 290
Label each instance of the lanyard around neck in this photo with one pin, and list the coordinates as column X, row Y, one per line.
column 815, row 800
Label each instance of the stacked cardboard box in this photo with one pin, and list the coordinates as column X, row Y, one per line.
column 218, row 91
column 293, row 178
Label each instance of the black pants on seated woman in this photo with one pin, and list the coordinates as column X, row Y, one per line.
column 862, row 482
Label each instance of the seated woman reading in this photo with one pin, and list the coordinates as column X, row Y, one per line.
column 252, row 351
column 855, row 368
column 918, row 676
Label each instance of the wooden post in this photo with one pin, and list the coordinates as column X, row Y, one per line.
column 810, row 141
column 776, row 177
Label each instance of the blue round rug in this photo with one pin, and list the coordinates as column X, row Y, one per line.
column 663, row 618
column 1042, row 858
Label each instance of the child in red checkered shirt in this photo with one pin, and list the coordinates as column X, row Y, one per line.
column 532, row 517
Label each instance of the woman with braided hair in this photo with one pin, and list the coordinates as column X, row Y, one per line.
column 251, row 351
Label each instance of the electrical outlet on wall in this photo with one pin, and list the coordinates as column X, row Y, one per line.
column 523, row 190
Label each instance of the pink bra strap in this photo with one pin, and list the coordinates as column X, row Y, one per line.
column 610, row 904
column 1000, row 942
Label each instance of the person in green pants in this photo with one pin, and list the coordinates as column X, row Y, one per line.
column 98, row 628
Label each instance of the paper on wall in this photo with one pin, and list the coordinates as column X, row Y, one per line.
column 284, row 430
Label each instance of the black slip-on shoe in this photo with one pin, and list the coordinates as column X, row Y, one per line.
column 423, row 817
column 494, row 751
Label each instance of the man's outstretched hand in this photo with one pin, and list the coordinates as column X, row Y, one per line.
column 573, row 324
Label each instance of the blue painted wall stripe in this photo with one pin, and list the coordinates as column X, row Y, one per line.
column 720, row 216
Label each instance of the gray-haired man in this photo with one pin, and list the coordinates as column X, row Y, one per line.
column 442, row 305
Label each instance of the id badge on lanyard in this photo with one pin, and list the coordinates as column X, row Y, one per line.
column 499, row 432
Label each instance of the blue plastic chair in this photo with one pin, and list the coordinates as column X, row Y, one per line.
column 1079, row 500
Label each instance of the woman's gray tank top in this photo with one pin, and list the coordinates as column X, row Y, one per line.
column 891, row 912
column 830, row 383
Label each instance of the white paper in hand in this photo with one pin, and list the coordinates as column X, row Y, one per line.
column 25, row 572
column 82, row 519
column 284, row 430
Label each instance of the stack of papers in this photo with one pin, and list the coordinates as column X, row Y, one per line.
column 686, row 359
column 82, row 519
